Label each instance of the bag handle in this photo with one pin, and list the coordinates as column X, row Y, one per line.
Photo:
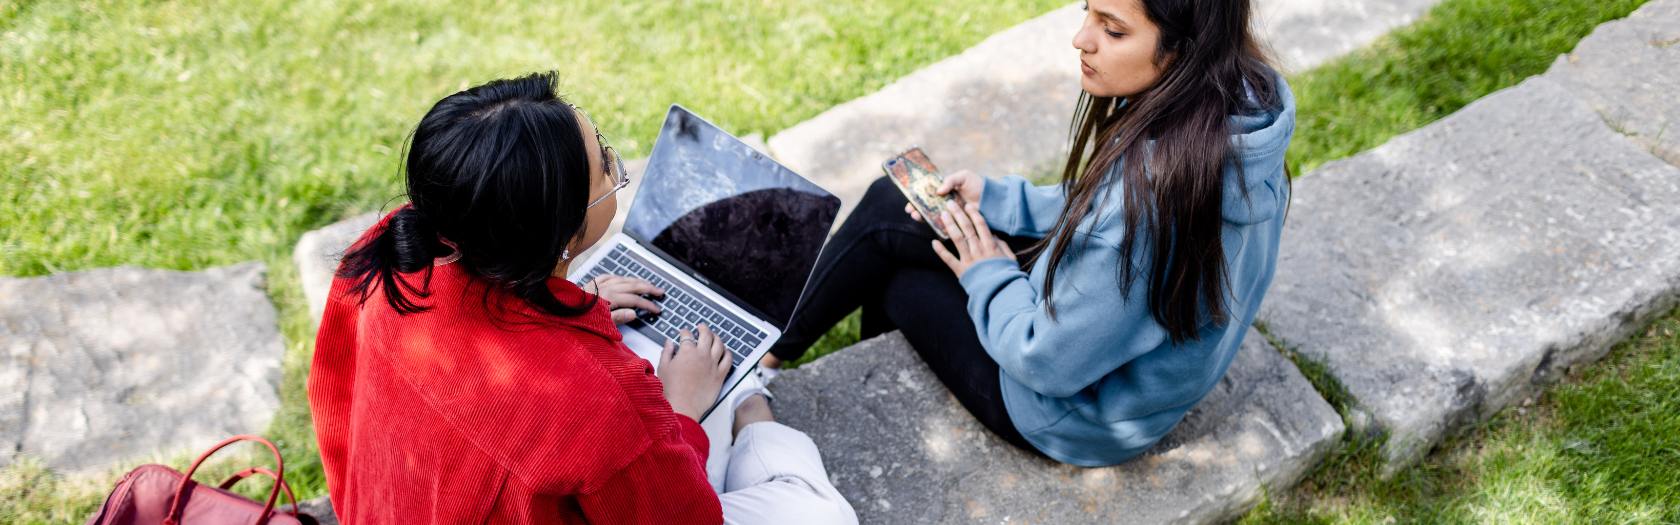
column 177, row 505
column 241, row 475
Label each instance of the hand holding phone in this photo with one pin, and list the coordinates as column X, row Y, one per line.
column 924, row 186
column 964, row 184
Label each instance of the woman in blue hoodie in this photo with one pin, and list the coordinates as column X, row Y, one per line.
column 1140, row 271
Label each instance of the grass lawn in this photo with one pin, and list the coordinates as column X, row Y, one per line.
column 192, row 134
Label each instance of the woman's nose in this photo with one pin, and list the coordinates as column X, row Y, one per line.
column 1082, row 40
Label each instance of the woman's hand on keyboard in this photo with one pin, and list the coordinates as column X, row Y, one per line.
column 693, row 369
column 626, row 295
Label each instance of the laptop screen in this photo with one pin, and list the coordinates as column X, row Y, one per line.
column 731, row 215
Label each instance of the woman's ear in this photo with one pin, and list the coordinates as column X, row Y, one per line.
column 569, row 253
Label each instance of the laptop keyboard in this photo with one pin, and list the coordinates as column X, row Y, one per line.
column 680, row 309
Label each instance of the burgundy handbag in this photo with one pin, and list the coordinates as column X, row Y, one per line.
column 152, row 494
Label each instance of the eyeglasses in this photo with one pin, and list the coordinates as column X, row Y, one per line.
column 614, row 165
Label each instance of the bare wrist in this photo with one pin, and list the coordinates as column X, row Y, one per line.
column 690, row 413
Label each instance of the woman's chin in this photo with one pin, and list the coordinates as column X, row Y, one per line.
column 1095, row 88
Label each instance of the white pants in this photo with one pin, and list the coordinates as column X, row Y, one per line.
column 773, row 474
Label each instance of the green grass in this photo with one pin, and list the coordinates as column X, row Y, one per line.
column 188, row 134
column 844, row 334
column 193, row 134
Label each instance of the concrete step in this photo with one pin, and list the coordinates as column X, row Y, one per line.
column 902, row 449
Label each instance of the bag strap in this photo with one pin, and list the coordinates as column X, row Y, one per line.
column 241, row 475
column 177, row 504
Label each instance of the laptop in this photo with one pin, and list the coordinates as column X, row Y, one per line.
column 730, row 234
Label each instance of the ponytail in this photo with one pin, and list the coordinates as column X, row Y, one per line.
column 406, row 244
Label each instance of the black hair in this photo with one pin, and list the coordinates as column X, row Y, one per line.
column 1171, row 142
column 501, row 171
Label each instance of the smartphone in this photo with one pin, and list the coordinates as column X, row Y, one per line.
column 919, row 179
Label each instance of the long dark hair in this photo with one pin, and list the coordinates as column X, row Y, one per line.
column 1174, row 139
column 502, row 172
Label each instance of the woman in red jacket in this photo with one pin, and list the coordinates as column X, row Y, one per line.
column 459, row 378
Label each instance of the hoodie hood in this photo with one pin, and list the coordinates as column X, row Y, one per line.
column 1257, row 149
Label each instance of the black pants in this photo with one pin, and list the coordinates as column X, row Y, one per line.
column 881, row 260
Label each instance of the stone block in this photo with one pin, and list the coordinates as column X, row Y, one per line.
column 1629, row 71
column 1448, row 273
column 903, row 450
column 119, row 364
column 317, row 255
column 1305, row 33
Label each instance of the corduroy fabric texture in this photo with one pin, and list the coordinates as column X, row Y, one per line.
column 480, row 410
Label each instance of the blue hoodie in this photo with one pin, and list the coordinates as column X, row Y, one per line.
column 1102, row 382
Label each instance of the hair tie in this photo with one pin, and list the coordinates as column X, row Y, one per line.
column 454, row 253
column 413, row 241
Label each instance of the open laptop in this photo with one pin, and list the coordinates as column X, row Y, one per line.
column 729, row 234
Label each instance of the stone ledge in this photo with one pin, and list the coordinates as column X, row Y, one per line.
column 119, row 364
column 1306, row 33
column 1444, row 275
column 1002, row 106
column 902, row 450
column 317, row 255
column 1629, row 71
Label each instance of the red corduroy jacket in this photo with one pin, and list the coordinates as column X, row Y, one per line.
column 456, row 415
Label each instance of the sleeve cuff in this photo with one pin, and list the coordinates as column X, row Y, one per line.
column 981, row 274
